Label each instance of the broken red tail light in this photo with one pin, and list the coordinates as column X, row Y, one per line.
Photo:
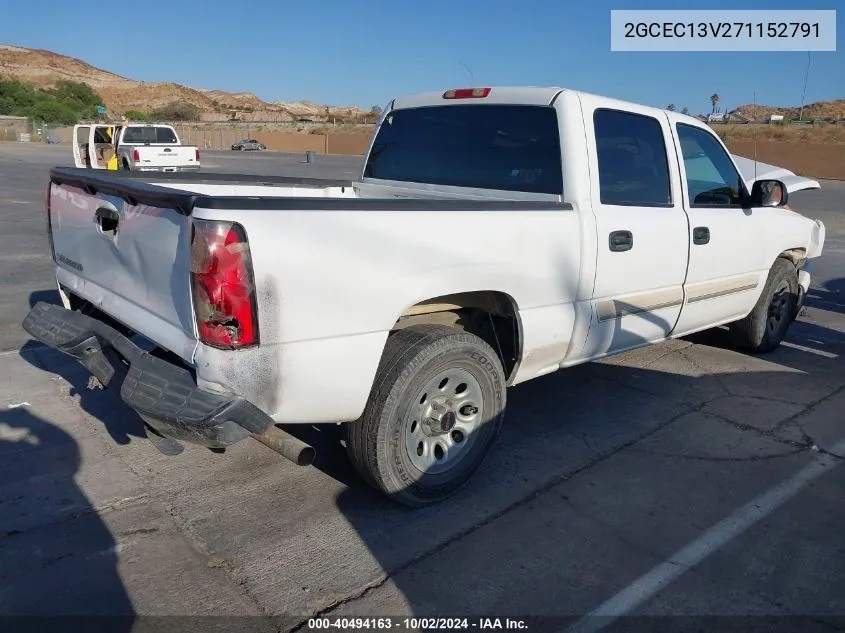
column 136, row 156
column 222, row 285
column 466, row 93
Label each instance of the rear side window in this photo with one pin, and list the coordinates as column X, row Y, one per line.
column 633, row 168
column 504, row 147
column 149, row 135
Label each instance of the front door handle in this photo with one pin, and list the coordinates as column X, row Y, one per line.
column 700, row 235
column 621, row 241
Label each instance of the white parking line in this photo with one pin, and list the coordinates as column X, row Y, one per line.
column 809, row 350
column 646, row 586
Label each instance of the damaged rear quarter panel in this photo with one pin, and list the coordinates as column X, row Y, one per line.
column 252, row 373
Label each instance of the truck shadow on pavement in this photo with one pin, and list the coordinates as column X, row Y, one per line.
column 47, row 296
column 121, row 428
column 606, row 470
column 601, row 472
column 57, row 556
column 604, row 473
column 831, row 297
column 120, row 422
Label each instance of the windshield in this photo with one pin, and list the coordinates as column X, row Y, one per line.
column 505, row 147
column 149, row 135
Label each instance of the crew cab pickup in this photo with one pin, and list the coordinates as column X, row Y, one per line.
column 137, row 146
column 494, row 236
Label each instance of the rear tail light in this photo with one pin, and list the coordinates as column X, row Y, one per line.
column 198, row 154
column 222, row 285
column 467, row 93
column 136, row 156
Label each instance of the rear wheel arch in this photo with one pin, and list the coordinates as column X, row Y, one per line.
column 492, row 315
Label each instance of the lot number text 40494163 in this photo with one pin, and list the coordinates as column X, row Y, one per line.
column 416, row 624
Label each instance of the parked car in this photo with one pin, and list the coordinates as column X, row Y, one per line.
column 494, row 236
column 248, row 144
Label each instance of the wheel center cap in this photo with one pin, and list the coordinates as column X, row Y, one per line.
column 447, row 422
column 442, row 419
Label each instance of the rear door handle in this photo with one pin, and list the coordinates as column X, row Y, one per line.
column 700, row 235
column 621, row 241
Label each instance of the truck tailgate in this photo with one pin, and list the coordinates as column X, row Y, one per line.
column 139, row 273
column 158, row 156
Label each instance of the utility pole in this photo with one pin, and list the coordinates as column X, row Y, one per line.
column 804, row 94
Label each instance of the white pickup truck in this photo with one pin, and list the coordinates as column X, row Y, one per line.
column 495, row 235
column 136, row 146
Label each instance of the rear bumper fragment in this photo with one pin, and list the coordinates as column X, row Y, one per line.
column 164, row 394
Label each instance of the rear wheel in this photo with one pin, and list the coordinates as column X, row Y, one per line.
column 765, row 327
column 436, row 407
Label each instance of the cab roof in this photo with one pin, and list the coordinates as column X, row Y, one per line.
column 526, row 95
column 513, row 95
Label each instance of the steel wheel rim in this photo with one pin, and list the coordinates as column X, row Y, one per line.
column 778, row 307
column 441, row 424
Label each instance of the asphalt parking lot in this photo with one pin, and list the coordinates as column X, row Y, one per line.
column 685, row 481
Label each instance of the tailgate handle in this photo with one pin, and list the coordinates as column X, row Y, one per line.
column 107, row 221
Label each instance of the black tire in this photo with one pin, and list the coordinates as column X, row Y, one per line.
column 376, row 442
column 762, row 331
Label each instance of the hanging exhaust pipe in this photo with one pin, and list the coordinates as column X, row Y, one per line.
column 287, row 445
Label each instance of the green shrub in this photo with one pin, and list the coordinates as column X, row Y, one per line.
column 135, row 115
column 177, row 111
column 65, row 104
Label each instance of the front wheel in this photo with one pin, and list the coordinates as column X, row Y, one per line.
column 765, row 327
column 436, row 406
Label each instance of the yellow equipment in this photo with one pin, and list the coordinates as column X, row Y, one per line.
column 112, row 162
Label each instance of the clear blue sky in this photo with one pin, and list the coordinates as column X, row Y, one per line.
column 364, row 53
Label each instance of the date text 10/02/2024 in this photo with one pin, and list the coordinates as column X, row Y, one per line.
column 415, row 624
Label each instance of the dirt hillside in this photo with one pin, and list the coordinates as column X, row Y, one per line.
column 44, row 68
column 819, row 110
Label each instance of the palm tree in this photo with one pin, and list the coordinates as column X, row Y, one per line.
column 671, row 107
column 685, row 110
column 714, row 99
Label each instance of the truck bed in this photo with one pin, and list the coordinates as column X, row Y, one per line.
column 185, row 191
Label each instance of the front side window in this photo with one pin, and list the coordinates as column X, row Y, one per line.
column 633, row 168
column 712, row 179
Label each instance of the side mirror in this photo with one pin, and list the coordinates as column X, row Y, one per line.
column 769, row 193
